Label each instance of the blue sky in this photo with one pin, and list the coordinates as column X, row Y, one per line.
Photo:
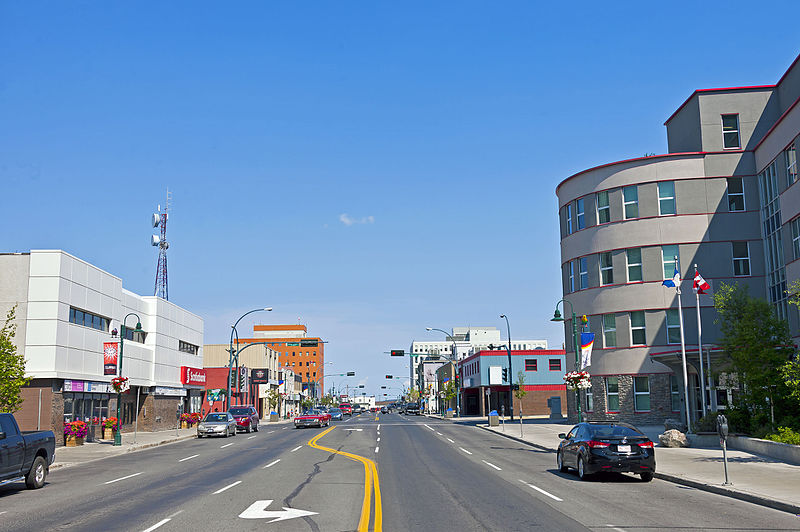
column 371, row 168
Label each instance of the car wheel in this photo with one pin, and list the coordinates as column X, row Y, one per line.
column 582, row 474
column 37, row 474
column 647, row 477
column 560, row 462
column 256, row 427
column 248, row 429
column 227, row 432
column 199, row 436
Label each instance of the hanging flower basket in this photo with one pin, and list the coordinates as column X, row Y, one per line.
column 578, row 380
column 120, row 384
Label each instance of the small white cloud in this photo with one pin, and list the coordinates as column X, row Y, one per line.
column 348, row 220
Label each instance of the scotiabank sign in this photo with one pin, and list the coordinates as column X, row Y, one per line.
column 193, row 376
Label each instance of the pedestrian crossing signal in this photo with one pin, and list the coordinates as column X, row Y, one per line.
column 397, row 352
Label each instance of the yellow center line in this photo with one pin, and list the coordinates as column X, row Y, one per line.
column 370, row 474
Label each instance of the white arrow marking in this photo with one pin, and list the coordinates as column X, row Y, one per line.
column 258, row 510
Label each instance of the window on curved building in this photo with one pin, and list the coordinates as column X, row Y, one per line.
column 795, row 225
column 612, row 394
column 603, row 208
column 673, row 326
column 641, row 394
column 568, row 214
column 630, row 200
column 609, row 330
column 666, row 198
column 730, row 131
column 668, row 256
column 790, row 156
column 571, row 285
column 634, row 258
column 583, row 268
column 741, row 259
column 579, row 210
column 606, row 269
column 638, row 336
column 735, row 194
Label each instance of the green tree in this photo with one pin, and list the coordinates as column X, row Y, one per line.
column 12, row 366
column 413, row 394
column 273, row 397
column 791, row 370
column 326, row 400
column 306, row 403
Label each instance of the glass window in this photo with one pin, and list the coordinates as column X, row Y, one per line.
column 606, row 269
column 773, row 239
column 580, row 213
column 741, row 259
column 79, row 317
column 589, row 400
column 97, row 322
column 555, row 364
column 668, row 254
column 730, row 131
column 569, row 218
column 673, row 326
column 609, row 330
column 612, row 394
column 790, row 157
column 71, row 315
column 675, row 393
column 634, row 257
column 603, row 209
column 583, row 268
column 735, row 194
column 530, row 364
column 641, row 394
column 571, row 276
column 630, row 199
column 795, row 224
column 666, row 197
column 638, row 336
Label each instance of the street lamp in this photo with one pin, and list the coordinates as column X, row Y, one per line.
column 232, row 356
column 118, row 432
column 454, row 358
column 510, row 374
column 557, row 317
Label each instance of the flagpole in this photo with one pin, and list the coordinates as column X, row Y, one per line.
column 700, row 343
column 683, row 351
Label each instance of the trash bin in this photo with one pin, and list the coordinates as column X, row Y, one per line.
column 494, row 419
column 273, row 416
column 448, row 412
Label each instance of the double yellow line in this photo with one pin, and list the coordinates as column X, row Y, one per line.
column 370, row 484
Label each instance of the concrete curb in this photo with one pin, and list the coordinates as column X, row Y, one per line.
column 132, row 449
column 675, row 479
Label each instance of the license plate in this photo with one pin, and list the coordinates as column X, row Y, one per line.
column 623, row 448
column 209, row 430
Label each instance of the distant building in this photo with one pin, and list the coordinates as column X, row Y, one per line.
column 258, row 374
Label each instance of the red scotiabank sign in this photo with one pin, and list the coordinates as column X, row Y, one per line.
column 193, row 376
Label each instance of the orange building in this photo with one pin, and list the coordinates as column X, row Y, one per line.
column 304, row 355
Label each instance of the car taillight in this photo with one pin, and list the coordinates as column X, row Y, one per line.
column 646, row 444
column 593, row 444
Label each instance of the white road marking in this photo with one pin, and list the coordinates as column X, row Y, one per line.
column 540, row 490
column 357, row 430
column 258, row 510
column 296, row 448
column 5, row 512
column 271, row 463
column 376, row 449
column 123, row 478
column 427, row 427
column 491, row 465
column 612, row 527
column 251, row 437
column 466, row 451
column 439, row 433
column 162, row 522
column 284, row 428
column 188, row 458
column 270, row 432
column 379, row 426
column 379, row 439
column 226, row 445
column 227, row 487
column 451, row 441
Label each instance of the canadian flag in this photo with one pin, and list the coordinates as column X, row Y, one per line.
column 700, row 285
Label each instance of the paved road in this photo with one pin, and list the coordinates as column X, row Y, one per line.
column 418, row 474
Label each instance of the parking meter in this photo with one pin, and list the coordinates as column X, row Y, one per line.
column 722, row 427
column 178, row 412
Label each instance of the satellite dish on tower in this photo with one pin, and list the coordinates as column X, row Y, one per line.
column 155, row 240
column 156, row 220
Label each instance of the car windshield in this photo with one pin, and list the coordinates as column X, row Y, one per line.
column 615, row 431
column 311, row 412
column 240, row 411
column 335, row 410
column 216, row 417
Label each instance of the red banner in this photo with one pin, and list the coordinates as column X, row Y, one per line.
column 193, row 376
column 110, row 354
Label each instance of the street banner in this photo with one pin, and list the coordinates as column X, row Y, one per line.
column 110, row 355
column 587, row 341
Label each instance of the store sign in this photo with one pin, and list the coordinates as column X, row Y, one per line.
column 83, row 386
column 259, row 376
column 193, row 376
column 73, row 386
column 110, row 355
column 164, row 390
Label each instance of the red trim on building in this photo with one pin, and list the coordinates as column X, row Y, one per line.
column 777, row 122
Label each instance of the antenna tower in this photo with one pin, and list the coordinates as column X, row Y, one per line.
column 160, row 220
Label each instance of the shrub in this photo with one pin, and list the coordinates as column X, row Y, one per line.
column 785, row 435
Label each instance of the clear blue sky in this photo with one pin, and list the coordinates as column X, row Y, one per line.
column 439, row 129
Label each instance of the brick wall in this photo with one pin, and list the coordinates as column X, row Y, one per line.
column 660, row 401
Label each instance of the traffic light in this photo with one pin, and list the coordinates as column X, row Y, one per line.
column 398, row 353
column 351, row 373
column 389, row 377
column 360, row 385
column 505, row 374
column 457, row 380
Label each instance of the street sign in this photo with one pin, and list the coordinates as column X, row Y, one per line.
column 258, row 510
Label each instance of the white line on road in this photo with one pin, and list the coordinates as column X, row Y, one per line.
column 540, row 490
column 251, row 437
column 439, row 433
column 491, row 465
column 227, row 487
column 188, row 458
column 5, row 512
column 427, row 427
column 466, row 451
column 379, row 426
column 226, row 445
column 162, row 522
column 376, row 449
column 284, row 428
column 612, row 527
column 451, row 441
column 296, row 448
column 379, row 439
column 270, row 432
column 123, row 478
column 271, row 463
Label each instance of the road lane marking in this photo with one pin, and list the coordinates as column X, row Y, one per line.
column 376, row 449
column 258, row 510
column 296, row 448
column 251, row 437
column 188, row 458
column 427, row 427
column 271, row 463
column 379, row 426
column 227, row 487
column 284, row 428
column 379, row 439
column 491, row 465
column 162, row 522
column 540, row 490
column 371, row 483
column 226, row 445
column 451, row 441
column 466, row 451
column 270, row 432
column 123, row 478
column 612, row 527
column 439, row 433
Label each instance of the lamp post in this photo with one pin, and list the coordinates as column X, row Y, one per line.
column 118, row 432
column 454, row 358
column 557, row 317
column 510, row 373
column 232, row 356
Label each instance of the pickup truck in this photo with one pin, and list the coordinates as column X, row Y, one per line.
column 25, row 455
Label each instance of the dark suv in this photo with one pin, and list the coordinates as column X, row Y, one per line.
column 412, row 408
column 246, row 417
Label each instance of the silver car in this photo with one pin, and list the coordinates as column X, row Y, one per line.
column 217, row 424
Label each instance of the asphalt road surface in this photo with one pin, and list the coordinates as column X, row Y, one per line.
column 387, row 472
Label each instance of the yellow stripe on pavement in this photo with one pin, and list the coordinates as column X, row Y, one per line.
column 370, row 476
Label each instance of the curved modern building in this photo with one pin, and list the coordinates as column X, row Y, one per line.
column 725, row 198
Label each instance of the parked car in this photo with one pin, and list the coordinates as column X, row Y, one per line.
column 25, row 455
column 246, row 417
column 312, row 418
column 412, row 408
column 346, row 408
column 384, row 410
column 336, row 414
column 217, row 424
column 617, row 447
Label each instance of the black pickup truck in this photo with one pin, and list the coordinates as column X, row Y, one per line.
column 24, row 455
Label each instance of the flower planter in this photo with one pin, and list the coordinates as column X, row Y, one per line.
column 184, row 425
column 73, row 441
column 108, row 434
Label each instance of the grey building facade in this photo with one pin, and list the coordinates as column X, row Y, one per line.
column 725, row 198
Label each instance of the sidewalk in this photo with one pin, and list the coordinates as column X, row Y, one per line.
column 757, row 479
column 89, row 452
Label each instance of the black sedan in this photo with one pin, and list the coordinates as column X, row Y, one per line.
column 616, row 447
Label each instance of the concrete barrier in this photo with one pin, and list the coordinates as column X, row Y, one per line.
column 780, row 451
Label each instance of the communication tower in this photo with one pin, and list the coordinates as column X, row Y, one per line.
column 160, row 220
